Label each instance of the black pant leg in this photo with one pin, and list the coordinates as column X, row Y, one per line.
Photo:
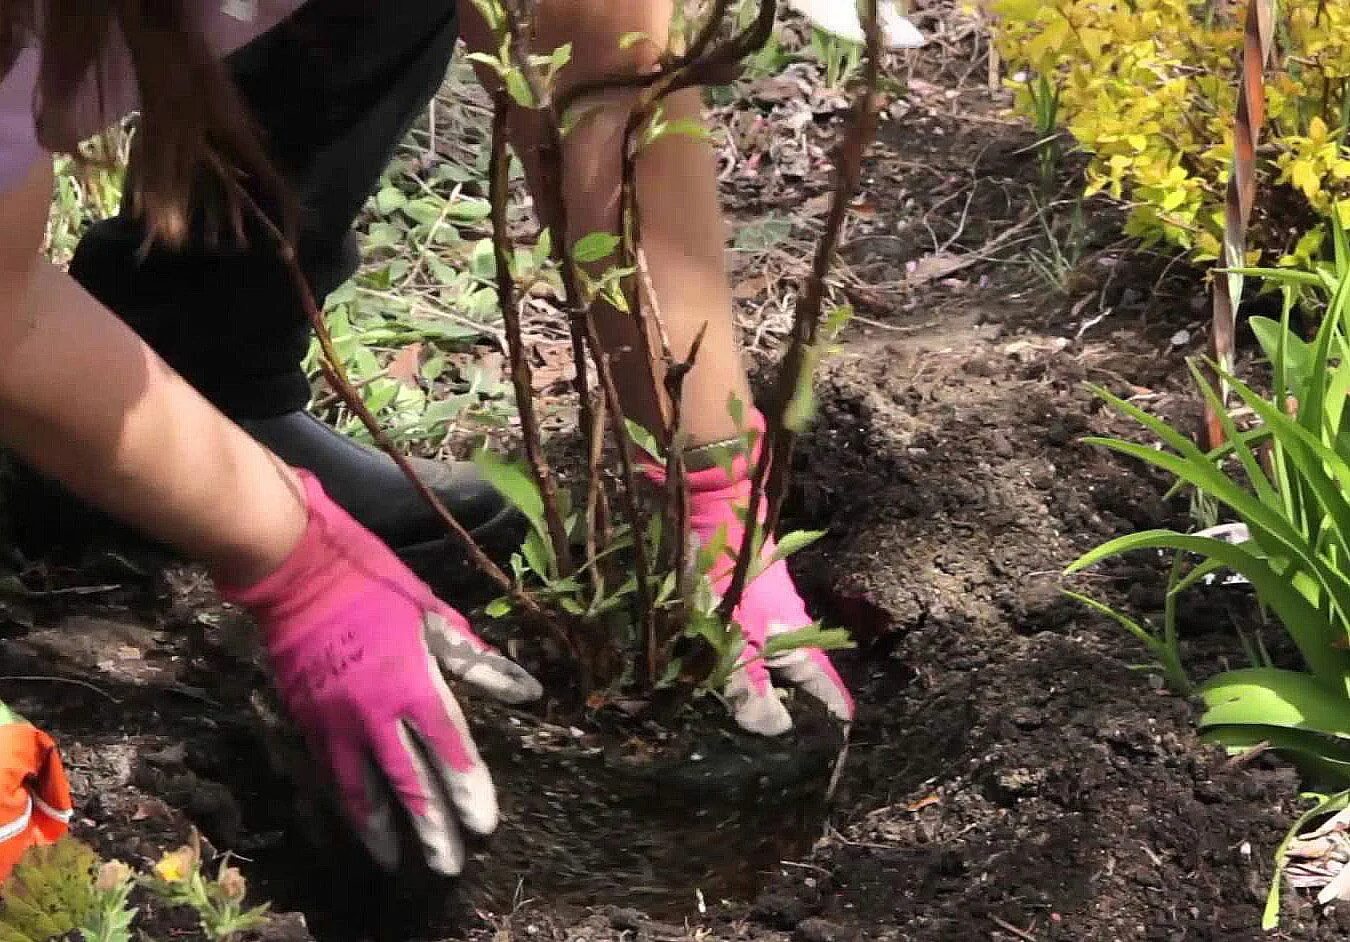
column 335, row 89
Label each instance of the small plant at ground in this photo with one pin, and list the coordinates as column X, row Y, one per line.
column 50, row 893
column 1041, row 95
column 63, row 888
column 218, row 901
column 840, row 58
column 1285, row 481
column 1056, row 263
column 113, row 915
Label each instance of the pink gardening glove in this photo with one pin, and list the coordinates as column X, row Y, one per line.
column 357, row 644
column 770, row 606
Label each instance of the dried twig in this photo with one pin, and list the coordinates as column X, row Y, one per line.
column 335, row 375
column 597, row 512
column 552, row 205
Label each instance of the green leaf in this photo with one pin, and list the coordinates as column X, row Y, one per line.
column 498, row 608
column 424, row 210
column 795, row 542
column 389, row 200
column 628, row 40
column 712, row 550
column 1307, row 627
column 736, row 409
column 644, row 439
column 801, row 408
column 469, row 210
column 1270, row 696
column 594, row 247
column 1271, row 916
column 1193, row 466
column 1323, row 761
column 763, row 234
column 1271, row 335
column 50, row 892
column 519, row 89
column 538, row 555
column 813, row 636
column 513, row 481
column 491, row 61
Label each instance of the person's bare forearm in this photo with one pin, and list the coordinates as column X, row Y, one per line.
column 683, row 235
column 83, row 399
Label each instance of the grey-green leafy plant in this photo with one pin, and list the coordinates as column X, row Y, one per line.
column 840, row 58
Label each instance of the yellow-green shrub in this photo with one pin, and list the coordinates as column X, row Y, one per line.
column 1148, row 90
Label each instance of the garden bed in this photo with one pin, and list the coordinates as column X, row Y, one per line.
column 1009, row 776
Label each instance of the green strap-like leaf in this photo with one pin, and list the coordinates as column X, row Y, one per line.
column 1272, row 696
column 1306, row 626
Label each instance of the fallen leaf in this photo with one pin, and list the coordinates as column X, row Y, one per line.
column 818, row 205
column 405, row 365
column 933, row 267
column 923, row 803
column 552, row 366
column 752, row 287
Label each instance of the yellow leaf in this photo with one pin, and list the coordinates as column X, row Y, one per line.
column 1317, row 131
column 1304, row 176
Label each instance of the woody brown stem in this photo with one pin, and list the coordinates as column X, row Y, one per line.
column 580, row 320
column 335, row 376
column 521, row 375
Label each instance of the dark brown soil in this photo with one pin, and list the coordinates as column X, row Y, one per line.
column 1010, row 776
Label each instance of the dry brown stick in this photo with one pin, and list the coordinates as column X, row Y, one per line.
column 596, row 511
column 677, row 496
column 696, row 51
column 553, row 207
column 636, row 519
column 694, row 68
column 771, row 470
column 1240, row 195
column 630, row 228
column 522, row 376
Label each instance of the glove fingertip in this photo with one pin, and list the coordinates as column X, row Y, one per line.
column 755, row 705
column 475, row 799
column 503, row 680
column 376, row 824
column 764, row 716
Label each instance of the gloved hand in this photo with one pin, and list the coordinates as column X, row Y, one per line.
column 771, row 605
column 34, row 794
column 840, row 18
column 357, row 644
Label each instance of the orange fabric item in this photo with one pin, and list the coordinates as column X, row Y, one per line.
column 35, row 804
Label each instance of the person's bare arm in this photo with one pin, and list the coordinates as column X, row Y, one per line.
column 683, row 233
column 83, row 399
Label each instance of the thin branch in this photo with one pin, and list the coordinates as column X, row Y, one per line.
column 552, row 207
column 333, row 373
column 597, row 514
column 771, row 470
column 582, row 324
column 521, row 375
